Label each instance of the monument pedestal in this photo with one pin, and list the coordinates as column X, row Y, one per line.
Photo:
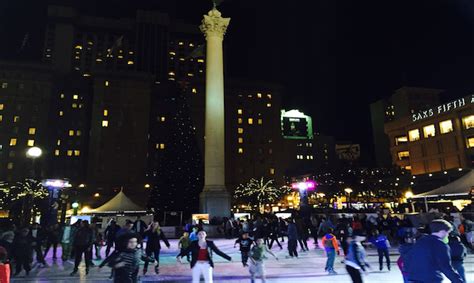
column 216, row 202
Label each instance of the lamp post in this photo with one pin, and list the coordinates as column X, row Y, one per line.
column 74, row 205
column 348, row 191
column 303, row 188
column 33, row 153
column 409, row 196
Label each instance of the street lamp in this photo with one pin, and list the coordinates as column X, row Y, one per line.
column 75, row 205
column 33, row 153
column 348, row 191
column 409, row 196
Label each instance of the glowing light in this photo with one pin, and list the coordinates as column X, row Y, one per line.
column 348, row 190
column 408, row 194
column 34, row 152
column 74, row 205
column 56, row 183
column 96, row 195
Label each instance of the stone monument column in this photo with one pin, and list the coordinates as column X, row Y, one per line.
column 215, row 199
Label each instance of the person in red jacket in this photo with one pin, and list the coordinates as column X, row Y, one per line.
column 4, row 266
column 331, row 247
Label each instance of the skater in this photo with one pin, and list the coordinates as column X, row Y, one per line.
column 331, row 247
column 97, row 242
column 52, row 239
column 82, row 245
column 201, row 259
column 4, row 266
column 125, row 260
column 408, row 241
column 110, row 235
column 139, row 226
column 274, row 233
column 356, row 258
column 458, row 253
column 67, row 238
column 155, row 235
column 257, row 255
column 292, row 238
column 430, row 256
column 193, row 236
column 382, row 244
column 245, row 243
column 37, row 237
column 22, row 251
column 302, row 230
column 184, row 243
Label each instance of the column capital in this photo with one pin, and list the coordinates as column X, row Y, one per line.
column 214, row 24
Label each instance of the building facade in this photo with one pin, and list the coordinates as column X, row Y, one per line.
column 435, row 139
column 405, row 101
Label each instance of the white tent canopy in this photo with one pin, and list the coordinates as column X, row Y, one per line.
column 460, row 187
column 119, row 203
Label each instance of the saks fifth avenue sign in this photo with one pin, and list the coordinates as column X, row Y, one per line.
column 443, row 108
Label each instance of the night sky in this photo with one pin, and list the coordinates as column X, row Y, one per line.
column 333, row 57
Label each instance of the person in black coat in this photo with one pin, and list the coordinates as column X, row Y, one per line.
column 83, row 241
column 201, row 257
column 22, row 251
column 155, row 235
column 110, row 235
column 139, row 226
column 37, row 236
column 458, row 253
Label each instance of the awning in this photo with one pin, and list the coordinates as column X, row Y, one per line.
column 460, row 187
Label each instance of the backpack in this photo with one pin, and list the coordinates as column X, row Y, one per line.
column 328, row 243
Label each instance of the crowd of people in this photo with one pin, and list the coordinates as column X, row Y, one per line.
column 425, row 252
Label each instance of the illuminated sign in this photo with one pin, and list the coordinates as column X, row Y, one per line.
column 56, row 183
column 296, row 125
column 443, row 108
column 303, row 186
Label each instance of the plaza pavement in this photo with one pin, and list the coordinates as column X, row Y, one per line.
column 309, row 267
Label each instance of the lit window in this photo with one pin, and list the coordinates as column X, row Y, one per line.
column 403, row 155
column 130, row 63
column 77, row 152
column 61, row 113
column 239, row 120
column 445, row 127
column 69, row 153
column 172, row 53
column 74, row 105
column 260, row 121
column 163, row 118
column 105, row 123
column 191, row 45
column 241, row 150
column 269, row 105
column 194, row 90
column 75, row 97
column 272, row 171
column 78, row 47
column 71, row 133
column 4, row 85
column 16, row 119
column 429, row 131
column 98, row 60
column 201, row 60
column 250, row 121
column 259, row 95
column 401, row 140
column 13, row 142
column 180, row 43
column 269, row 96
column 56, row 152
column 31, row 143
column 162, row 146
column 62, row 95
column 10, row 165
column 470, row 142
column 1, row 106
column 239, row 111
column 414, row 135
column 78, row 133
column 32, row 131
column 190, row 75
column 106, row 83
column 311, row 157
column 408, row 168
column 241, row 140
column 240, row 130
column 468, row 122
column 106, row 112
column 171, row 73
